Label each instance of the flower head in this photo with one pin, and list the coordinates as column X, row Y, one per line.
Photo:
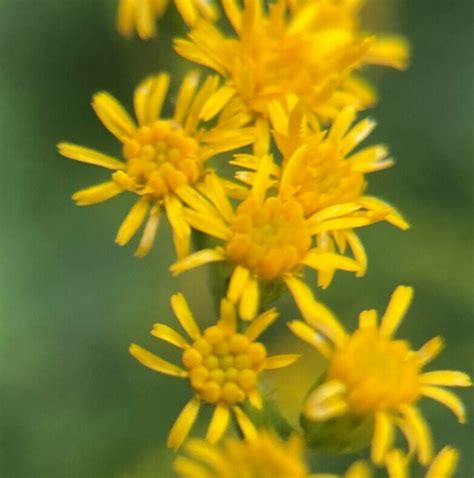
column 141, row 15
column 160, row 155
column 263, row 455
column 222, row 366
column 321, row 172
column 371, row 373
column 292, row 50
column 267, row 238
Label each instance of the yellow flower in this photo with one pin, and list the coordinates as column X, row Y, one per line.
column 443, row 465
column 222, row 365
column 267, row 239
column 141, row 15
column 263, row 455
column 321, row 172
column 308, row 52
column 372, row 374
column 160, row 155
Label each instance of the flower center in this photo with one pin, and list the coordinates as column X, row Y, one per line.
column 270, row 238
column 379, row 373
column 325, row 179
column 160, row 158
column 223, row 365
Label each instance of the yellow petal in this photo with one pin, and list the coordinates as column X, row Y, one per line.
column 185, row 95
column 358, row 251
column 338, row 210
column 89, row 156
column 249, row 300
column 383, row 437
column 368, row 319
column 149, row 96
column 183, row 424
column 359, row 469
column 262, row 178
column 238, row 282
column 166, row 333
column 314, row 312
column 228, row 318
column 245, row 424
column 187, row 10
column 312, row 337
column 219, row 423
column 96, row 194
column 174, row 212
column 389, row 51
column 184, row 315
column 255, row 399
column 357, row 134
column 198, row 259
column 342, row 124
column 215, row 191
column 327, row 261
column 216, row 102
column 210, row 225
column 339, row 223
column 430, row 350
column 132, row 221
column 444, row 464
column 421, row 432
column 448, row 399
column 397, row 307
column 149, row 232
column 260, row 324
column 156, row 363
column 448, row 378
column 113, row 116
column 280, row 361
column 396, row 463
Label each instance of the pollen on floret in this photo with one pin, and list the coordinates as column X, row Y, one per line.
column 230, row 368
column 270, row 238
column 159, row 159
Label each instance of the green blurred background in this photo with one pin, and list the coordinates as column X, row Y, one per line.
column 72, row 401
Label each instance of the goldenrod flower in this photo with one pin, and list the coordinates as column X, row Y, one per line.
column 263, row 455
column 322, row 173
column 141, row 15
column 372, row 374
column 443, row 466
column 266, row 238
column 222, row 365
column 307, row 52
column 160, row 155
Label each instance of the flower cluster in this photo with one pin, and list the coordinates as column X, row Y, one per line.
column 283, row 104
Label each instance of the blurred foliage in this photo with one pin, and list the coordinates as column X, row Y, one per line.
column 74, row 403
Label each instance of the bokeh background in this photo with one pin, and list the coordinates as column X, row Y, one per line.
column 72, row 401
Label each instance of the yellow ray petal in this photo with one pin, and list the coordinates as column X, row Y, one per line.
column 187, row 467
column 390, row 51
column 198, row 259
column 315, row 313
column 396, row 464
column 391, row 215
column 312, row 337
column 371, row 159
column 383, row 437
column 210, row 225
column 132, row 221
column 184, row 315
column 149, row 232
column 342, row 124
column 444, row 464
column 238, row 281
column 397, row 307
column 447, row 378
column 96, row 194
column 214, row 190
column 156, row 363
column 166, row 333
column 149, row 96
column 185, row 95
column 249, row 300
column 113, row 116
column 359, row 469
column 228, row 318
column 183, row 424
column 188, row 11
column 448, row 399
column 262, row 178
column 216, row 102
column 233, row 13
column 255, row 399
column 430, row 350
column 245, row 424
column 327, row 261
column 280, row 361
column 89, row 156
column 368, row 319
column 358, row 251
column 174, row 212
column 260, row 324
column 357, row 134
column 421, row 432
column 340, row 223
column 332, row 212
column 219, row 423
